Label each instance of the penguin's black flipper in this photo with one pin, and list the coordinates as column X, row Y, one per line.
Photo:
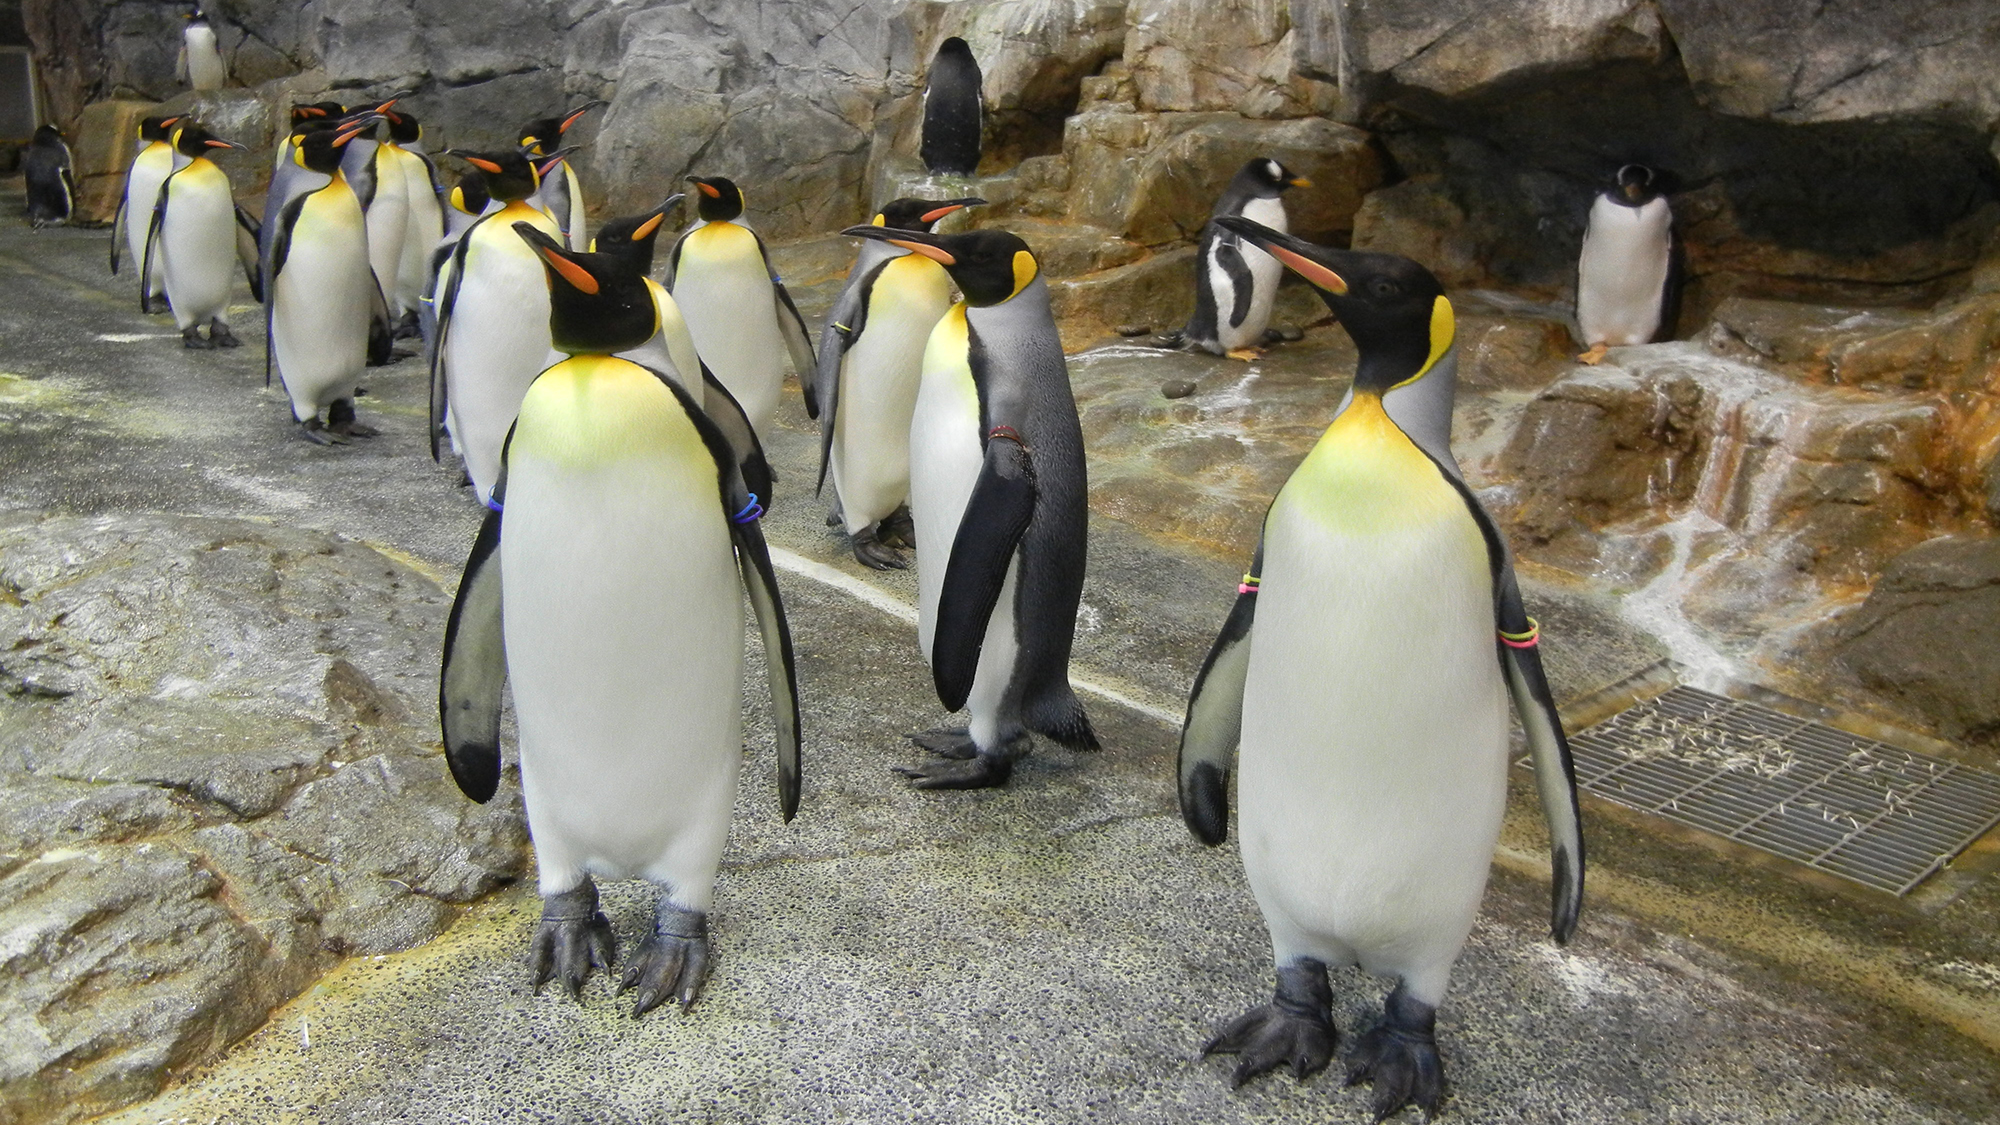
column 445, row 302
column 1555, row 770
column 118, row 221
column 727, row 414
column 1002, row 503
column 281, row 251
column 843, row 328
column 474, row 670
column 381, row 326
column 674, row 259
column 1214, row 722
column 798, row 340
column 1229, row 255
column 248, row 235
column 159, row 217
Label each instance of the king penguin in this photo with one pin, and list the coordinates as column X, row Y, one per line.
column 200, row 63
column 321, row 293
column 560, row 196
column 1235, row 284
column 424, row 217
column 952, row 119
column 155, row 159
column 45, row 167
column 603, row 585
column 195, row 238
column 492, row 320
column 1365, row 670
column 997, row 495
column 744, row 322
column 864, row 390
column 1626, row 280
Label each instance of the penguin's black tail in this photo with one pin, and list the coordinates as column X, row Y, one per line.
column 1059, row 715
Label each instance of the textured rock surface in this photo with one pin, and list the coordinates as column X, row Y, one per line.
column 1924, row 636
column 217, row 777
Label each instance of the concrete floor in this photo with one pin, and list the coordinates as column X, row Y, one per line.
column 1057, row 951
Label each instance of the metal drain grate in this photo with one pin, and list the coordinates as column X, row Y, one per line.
column 1860, row 809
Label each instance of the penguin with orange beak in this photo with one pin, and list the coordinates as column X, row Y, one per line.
column 194, row 239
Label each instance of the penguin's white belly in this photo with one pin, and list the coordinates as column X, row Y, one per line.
column 1265, row 274
column 321, row 303
column 204, row 62
column 497, row 343
column 423, row 227
column 1621, row 276
column 388, row 219
column 879, row 378
column 1374, row 728
column 945, row 447
column 198, row 242
column 624, row 635
column 732, row 312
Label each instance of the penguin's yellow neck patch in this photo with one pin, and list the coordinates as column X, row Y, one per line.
column 1024, row 271
column 1365, row 476
column 1444, row 331
column 595, row 410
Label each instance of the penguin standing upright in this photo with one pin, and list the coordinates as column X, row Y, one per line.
column 997, row 495
column 200, row 63
column 560, row 196
column 1235, row 283
column 952, row 121
column 864, row 390
column 1366, row 669
column 155, row 160
column 424, row 218
column 492, row 320
column 321, row 294
column 743, row 319
column 1625, row 278
column 194, row 238
column 607, row 595
column 46, row 169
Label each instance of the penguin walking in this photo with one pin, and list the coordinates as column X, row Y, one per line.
column 492, row 320
column 423, row 220
column 743, row 320
column 952, row 116
column 1626, row 280
column 200, row 62
column 46, row 169
column 560, row 196
column 1366, row 670
column 997, row 496
column 321, row 290
column 195, row 236
column 607, row 594
column 864, row 389
column 155, row 159
column 1235, row 283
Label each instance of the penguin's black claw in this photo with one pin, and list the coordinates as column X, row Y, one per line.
column 981, row 772
column 947, row 742
column 220, row 336
column 315, row 431
column 1295, row 1028
column 871, row 552
column 1399, row 1056
column 191, row 338
column 572, row 938
column 897, row 529
column 340, row 420
column 673, row 964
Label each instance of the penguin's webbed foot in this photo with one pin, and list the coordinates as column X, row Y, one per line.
column 219, row 336
column 572, row 938
column 340, row 419
column 981, row 769
column 870, row 551
column 948, row 742
column 1247, row 355
column 1595, row 355
column 315, row 431
column 1295, row 1028
column 1399, row 1055
column 898, row 529
column 673, row 964
column 191, row 338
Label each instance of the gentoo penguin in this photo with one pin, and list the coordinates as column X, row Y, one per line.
column 950, row 144
column 607, row 594
column 321, row 291
column 424, row 219
column 1366, row 670
column 998, row 502
column 743, row 319
column 155, row 160
column 1625, row 279
column 195, row 237
column 492, row 320
column 865, row 386
column 46, row 167
column 1234, row 283
column 560, row 196
column 200, row 63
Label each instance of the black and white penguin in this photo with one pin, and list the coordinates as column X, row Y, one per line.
column 196, row 236
column 322, row 293
column 153, row 161
column 744, row 322
column 607, row 594
column 492, row 333
column 1366, row 670
column 1236, row 283
column 952, row 117
column 560, row 196
column 200, row 62
column 51, row 187
column 997, row 495
column 864, row 390
column 1626, row 281
column 423, row 225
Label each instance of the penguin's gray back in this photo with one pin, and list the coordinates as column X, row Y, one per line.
column 46, row 168
column 952, row 118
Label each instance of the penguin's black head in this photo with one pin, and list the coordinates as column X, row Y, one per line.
column 988, row 266
column 156, row 128
column 720, row 199
column 1637, row 183
column 1266, row 178
column 1393, row 308
column 955, row 48
column 919, row 214
column 403, row 127
column 542, row 135
column 320, row 146
column 598, row 304
column 509, row 175
column 48, row 136
column 470, row 196
column 193, row 140
column 316, row 111
column 631, row 238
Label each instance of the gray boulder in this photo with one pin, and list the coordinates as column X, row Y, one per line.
column 1923, row 639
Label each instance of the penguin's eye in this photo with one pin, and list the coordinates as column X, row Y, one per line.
column 1382, row 287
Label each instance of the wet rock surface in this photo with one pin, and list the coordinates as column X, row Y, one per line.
column 1922, row 637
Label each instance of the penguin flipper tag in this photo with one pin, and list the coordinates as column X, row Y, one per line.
column 1214, row 722
column 798, row 339
column 843, row 329
column 1229, row 255
column 247, row 237
column 1555, row 770
column 474, row 670
column 996, row 515
column 727, row 414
